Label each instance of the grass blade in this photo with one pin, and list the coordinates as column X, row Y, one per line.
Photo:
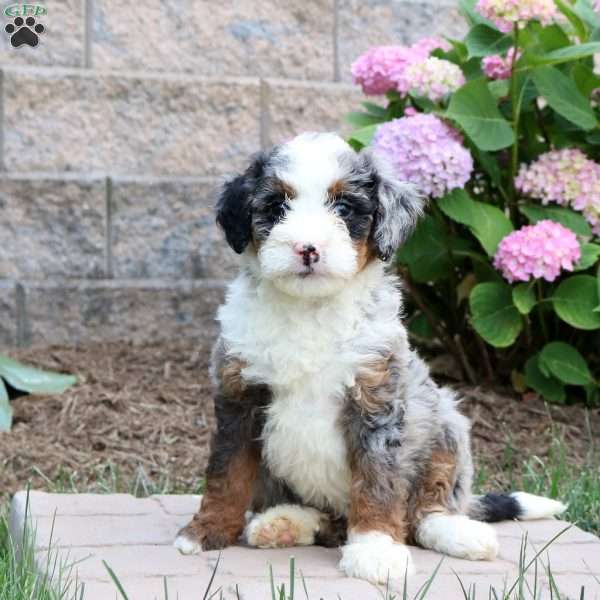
column 115, row 580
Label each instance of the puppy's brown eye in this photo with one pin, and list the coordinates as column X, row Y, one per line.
column 342, row 209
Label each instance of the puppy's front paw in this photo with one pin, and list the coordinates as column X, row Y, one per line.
column 375, row 556
column 186, row 545
column 196, row 537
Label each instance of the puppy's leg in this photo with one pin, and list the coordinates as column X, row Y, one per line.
column 220, row 520
column 381, row 467
column 284, row 526
column 436, row 528
column 232, row 467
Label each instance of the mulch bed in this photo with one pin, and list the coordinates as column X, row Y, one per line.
column 149, row 407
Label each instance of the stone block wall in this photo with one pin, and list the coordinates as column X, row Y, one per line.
column 117, row 128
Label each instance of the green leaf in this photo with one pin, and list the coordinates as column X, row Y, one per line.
column 360, row 119
column 426, row 251
column 364, row 135
column 566, row 54
column 565, row 216
column 494, row 315
column 375, row 109
column 589, row 256
column 470, row 13
column 487, row 223
column 500, row 88
column 484, row 40
column 562, row 95
column 575, row 300
column 585, row 79
column 473, row 107
column 523, row 298
column 576, row 21
column 32, row 380
column 5, row 408
column 565, row 363
column 549, row 388
column 584, row 9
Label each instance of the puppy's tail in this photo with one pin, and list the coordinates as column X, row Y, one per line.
column 492, row 508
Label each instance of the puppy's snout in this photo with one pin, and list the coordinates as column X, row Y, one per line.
column 308, row 252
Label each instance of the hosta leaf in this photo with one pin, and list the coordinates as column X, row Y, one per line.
column 548, row 387
column 523, row 298
column 562, row 95
column 565, row 216
column 473, row 107
column 494, row 315
column 575, row 300
column 5, row 409
column 487, row 223
column 565, row 363
column 32, row 380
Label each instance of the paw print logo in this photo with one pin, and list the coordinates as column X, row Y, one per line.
column 24, row 32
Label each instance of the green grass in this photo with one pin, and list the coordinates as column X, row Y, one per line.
column 579, row 486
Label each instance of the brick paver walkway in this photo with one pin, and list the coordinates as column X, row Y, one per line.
column 134, row 537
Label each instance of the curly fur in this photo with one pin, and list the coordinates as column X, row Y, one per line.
column 320, row 399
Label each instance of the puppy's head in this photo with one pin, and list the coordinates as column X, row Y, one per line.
column 314, row 213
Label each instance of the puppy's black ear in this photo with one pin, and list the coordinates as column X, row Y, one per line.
column 234, row 205
column 399, row 206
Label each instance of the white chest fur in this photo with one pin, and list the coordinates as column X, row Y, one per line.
column 308, row 353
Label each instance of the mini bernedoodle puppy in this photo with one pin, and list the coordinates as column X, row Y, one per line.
column 330, row 429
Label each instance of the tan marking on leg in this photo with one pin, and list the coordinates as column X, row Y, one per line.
column 221, row 518
column 230, row 376
column 371, row 513
column 434, row 488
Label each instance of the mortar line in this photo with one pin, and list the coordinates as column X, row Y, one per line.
column 21, row 308
column 264, row 124
column 336, row 38
column 108, row 228
column 88, row 19
column 2, row 165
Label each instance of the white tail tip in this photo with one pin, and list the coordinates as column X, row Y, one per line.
column 537, row 507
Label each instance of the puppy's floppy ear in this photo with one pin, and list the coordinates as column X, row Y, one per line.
column 399, row 206
column 234, row 205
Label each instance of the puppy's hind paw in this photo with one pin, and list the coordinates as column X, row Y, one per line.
column 459, row 536
column 374, row 556
column 283, row 526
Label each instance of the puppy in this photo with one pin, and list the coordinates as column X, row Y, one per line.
column 329, row 427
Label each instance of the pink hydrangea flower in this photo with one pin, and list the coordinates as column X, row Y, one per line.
column 506, row 13
column 537, row 251
column 377, row 69
column 567, row 177
column 597, row 6
column 425, row 151
column 499, row 67
column 432, row 78
column 597, row 61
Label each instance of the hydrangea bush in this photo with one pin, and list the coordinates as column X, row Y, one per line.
column 501, row 132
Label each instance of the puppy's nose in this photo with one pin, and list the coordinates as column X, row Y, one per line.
column 308, row 252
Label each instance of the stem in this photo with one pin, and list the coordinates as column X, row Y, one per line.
column 441, row 332
column 514, row 95
column 540, row 120
column 541, row 310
